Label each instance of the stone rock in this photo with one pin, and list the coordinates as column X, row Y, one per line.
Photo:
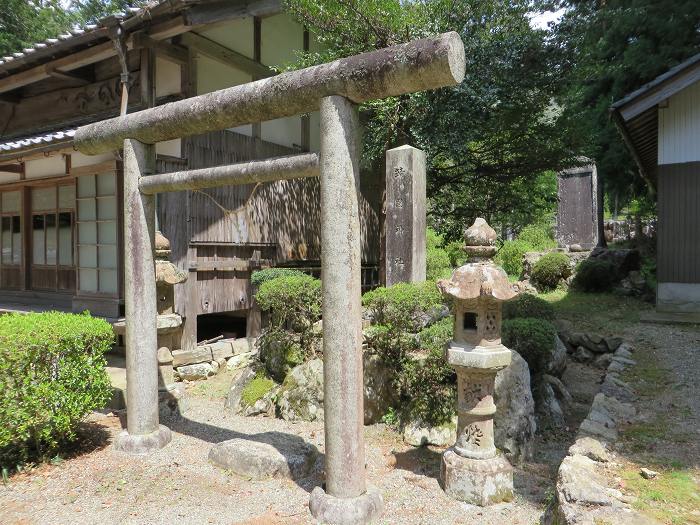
column 239, row 361
column 477, row 481
column 576, row 248
column 560, row 390
column 625, row 261
column 264, row 456
column 379, row 394
column 597, row 429
column 647, row 473
column 621, row 413
column 419, row 434
column 238, row 384
column 557, row 363
column 548, row 406
column 624, row 350
column 579, row 482
column 480, row 234
column 282, row 354
column 514, row 423
column 199, row 354
column 603, row 361
column 616, row 367
column 172, row 401
column 300, row 398
column 215, row 366
column 591, row 448
column 615, row 387
column 524, row 287
column 613, row 343
column 195, row 372
column 582, row 355
column 263, row 406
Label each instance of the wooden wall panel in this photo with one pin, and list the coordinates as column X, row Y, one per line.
column 678, row 233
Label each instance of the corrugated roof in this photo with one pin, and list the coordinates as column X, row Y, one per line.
column 60, row 136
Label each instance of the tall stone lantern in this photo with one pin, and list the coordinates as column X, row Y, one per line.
column 473, row 470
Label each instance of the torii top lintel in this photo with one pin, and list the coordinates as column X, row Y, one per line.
column 429, row 63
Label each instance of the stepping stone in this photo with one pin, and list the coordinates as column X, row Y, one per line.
column 266, row 455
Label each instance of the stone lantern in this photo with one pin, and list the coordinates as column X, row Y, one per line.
column 473, row 470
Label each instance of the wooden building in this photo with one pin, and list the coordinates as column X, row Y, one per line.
column 61, row 211
column 660, row 123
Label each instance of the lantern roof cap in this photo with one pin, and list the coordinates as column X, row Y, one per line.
column 481, row 279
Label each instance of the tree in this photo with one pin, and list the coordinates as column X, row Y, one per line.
column 609, row 48
column 488, row 140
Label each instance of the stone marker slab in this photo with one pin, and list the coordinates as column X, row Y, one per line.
column 264, row 456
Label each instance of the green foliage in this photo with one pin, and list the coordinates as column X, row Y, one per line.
column 256, row 388
column 550, row 270
column 489, row 140
column 595, row 275
column 438, row 264
column 510, row 257
column 538, row 236
column 533, row 339
column 528, row 305
column 261, row 276
column 404, row 306
column 294, row 304
column 52, row 374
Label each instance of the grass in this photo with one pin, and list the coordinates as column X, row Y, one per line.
column 256, row 389
column 672, row 497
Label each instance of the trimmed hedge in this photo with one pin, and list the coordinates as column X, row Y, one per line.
column 262, row 276
column 52, row 374
column 595, row 275
column 403, row 306
column 549, row 270
column 528, row 305
column 533, row 339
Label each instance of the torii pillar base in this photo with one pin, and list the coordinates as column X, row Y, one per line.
column 143, row 444
column 346, row 511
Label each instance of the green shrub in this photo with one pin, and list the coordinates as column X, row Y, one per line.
column 533, row 339
column 538, row 236
column 261, row 276
column 437, row 259
column 595, row 275
column 292, row 300
column 52, row 374
column 404, row 306
column 455, row 251
column 549, row 270
column 510, row 257
column 528, row 305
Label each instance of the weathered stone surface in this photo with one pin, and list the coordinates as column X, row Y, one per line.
column 233, row 399
column 419, row 434
column 598, row 429
column 300, row 398
column 558, row 361
column 480, row 234
column 582, row 355
column 172, row 400
column 514, row 423
column 240, row 361
column 195, row 372
column 624, row 261
column 615, row 387
column 548, row 406
column 613, row 343
column 477, row 481
column 359, row 510
column 620, row 412
column 560, row 390
column 591, row 448
column 199, row 354
column 603, row 361
column 625, row 350
column 579, row 482
column 168, row 273
column 264, row 456
column 379, row 394
column 263, row 406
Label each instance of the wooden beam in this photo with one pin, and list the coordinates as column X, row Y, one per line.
column 10, row 99
column 11, row 168
column 225, row 55
column 79, row 80
column 173, row 52
column 225, row 10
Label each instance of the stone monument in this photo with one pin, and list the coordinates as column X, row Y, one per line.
column 577, row 210
column 473, row 470
column 405, row 215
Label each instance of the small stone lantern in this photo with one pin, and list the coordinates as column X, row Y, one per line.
column 473, row 470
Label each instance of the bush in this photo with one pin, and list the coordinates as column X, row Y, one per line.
column 261, row 276
column 549, row 270
column 533, row 339
column 437, row 259
column 538, row 236
column 404, row 306
column 510, row 257
column 528, row 305
column 455, row 251
column 52, row 374
column 595, row 275
column 294, row 301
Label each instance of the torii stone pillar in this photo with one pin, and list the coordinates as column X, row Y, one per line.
column 143, row 432
column 346, row 499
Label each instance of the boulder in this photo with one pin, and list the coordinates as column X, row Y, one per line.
column 233, row 399
column 624, row 261
column 582, row 355
column 300, row 398
column 263, row 406
column 558, row 361
column 548, row 405
column 514, row 424
column 280, row 353
column 195, row 372
column 603, row 361
column 240, row 361
column 379, row 394
column 264, row 456
column 591, row 448
column 419, row 434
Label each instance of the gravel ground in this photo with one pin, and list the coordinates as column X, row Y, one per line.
column 177, row 484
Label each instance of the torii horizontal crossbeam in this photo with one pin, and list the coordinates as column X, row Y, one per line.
column 420, row 65
column 300, row 166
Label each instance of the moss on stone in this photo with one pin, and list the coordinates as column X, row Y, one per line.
column 256, row 389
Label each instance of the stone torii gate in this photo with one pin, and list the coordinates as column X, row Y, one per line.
column 335, row 88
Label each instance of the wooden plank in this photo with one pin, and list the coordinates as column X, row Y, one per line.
column 79, row 80
column 92, row 169
column 225, row 10
column 174, row 52
column 225, row 55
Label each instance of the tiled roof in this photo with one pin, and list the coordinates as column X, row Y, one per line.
column 53, row 137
